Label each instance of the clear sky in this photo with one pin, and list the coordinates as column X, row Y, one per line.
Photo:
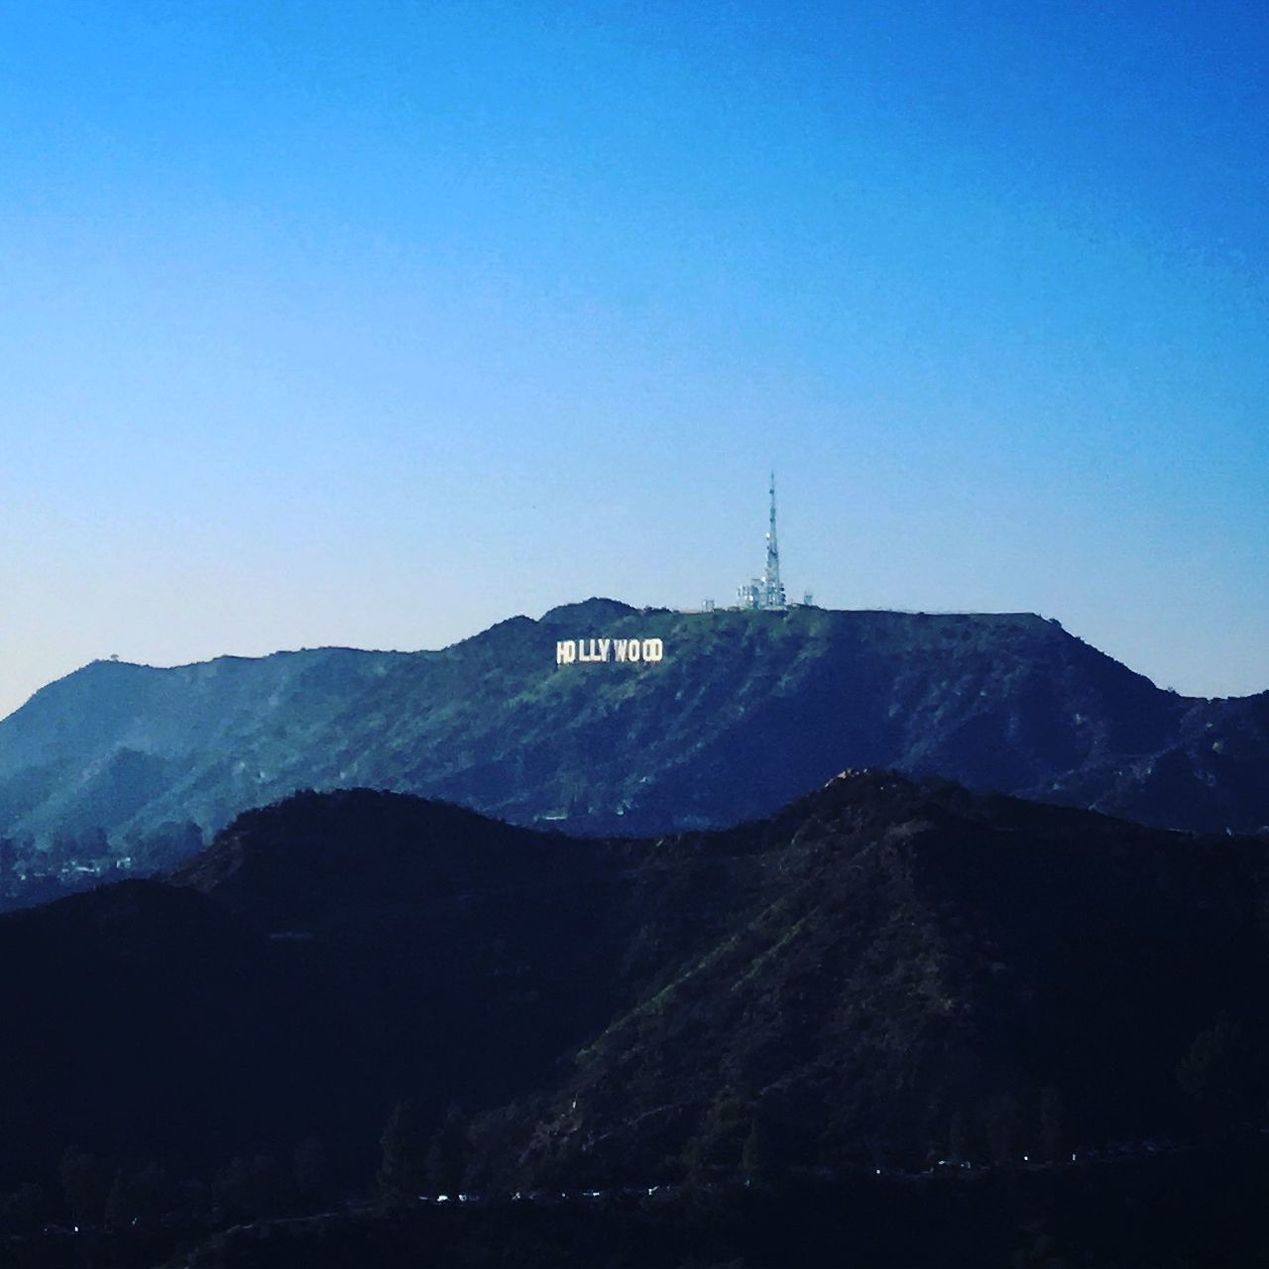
column 375, row 323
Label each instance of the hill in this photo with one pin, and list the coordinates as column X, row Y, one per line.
column 883, row 971
column 886, row 971
column 744, row 711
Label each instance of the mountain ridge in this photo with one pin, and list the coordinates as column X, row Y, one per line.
column 746, row 711
column 855, row 975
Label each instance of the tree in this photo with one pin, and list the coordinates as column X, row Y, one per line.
column 25, row 1210
column 1002, row 1126
column 308, row 1169
column 247, row 1187
column 725, row 1130
column 1052, row 1135
column 92, row 844
column 449, row 1154
column 1217, row 1074
column 84, row 1187
column 959, row 1147
column 138, row 1196
column 121, row 1205
column 755, row 1159
column 402, row 1167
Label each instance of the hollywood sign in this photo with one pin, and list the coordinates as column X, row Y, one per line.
column 631, row 651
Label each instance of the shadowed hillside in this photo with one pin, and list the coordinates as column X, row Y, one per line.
column 883, row 971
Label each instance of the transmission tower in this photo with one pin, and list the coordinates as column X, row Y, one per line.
column 766, row 592
column 772, row 586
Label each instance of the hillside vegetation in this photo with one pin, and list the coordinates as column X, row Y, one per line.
column 884, row 972
column 745, row 712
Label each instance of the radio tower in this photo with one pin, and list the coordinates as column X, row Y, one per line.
column 766, row 593
column 772, row 587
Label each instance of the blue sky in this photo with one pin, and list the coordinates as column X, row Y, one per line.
column 376, row 323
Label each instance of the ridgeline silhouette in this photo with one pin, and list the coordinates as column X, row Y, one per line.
column 746, row 711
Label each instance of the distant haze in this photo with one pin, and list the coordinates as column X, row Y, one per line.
column 375, row 324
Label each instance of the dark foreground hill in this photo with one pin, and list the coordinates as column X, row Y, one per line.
column 744, row 712
column 1193, row 1210
column 881, row 974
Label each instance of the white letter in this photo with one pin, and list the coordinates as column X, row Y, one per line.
column 653, row 649
column 632, row 650
column 619, row 648
column 603, row 649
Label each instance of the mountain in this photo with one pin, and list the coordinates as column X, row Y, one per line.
column 882, row 970
column 744, row 711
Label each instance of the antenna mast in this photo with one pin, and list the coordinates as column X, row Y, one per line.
column 766, row 593
column 772, row 587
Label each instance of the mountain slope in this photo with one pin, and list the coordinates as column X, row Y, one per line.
column 885, row 969
column 856, row 975
column 745, row 711
column 276, row 992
